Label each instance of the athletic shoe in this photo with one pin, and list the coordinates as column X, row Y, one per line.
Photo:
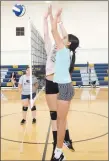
column 54, row 146
column 34, row 121
column 61, row 158
column 23, row 122
column 69, row 145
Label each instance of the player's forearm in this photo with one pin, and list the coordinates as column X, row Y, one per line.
column 20, row 88
column 46, row 33
column 53, row 22
column 62, row 29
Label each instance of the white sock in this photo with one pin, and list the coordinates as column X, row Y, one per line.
column 58, row 152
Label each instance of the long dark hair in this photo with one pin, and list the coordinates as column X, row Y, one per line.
column 13, row 75
column 74, row 44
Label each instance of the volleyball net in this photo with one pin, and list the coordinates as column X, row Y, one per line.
column 37, row 56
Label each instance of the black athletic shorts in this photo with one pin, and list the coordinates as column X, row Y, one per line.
column 51, row 87
column 28, row 96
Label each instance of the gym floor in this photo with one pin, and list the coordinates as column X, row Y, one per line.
column 87, row 122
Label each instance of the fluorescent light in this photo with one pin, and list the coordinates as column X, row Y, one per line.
column 48, row 1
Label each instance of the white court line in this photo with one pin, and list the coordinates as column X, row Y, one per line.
column 90, row 87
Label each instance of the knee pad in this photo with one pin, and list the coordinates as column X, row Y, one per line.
column 33, row 108
column 25, row 108
column 53, row 115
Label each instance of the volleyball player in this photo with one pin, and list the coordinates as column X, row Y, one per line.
column 51, row 87
column 24, row 87
column 63, row 78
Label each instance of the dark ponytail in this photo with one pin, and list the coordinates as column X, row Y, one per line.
column 72, row 64
column 72, row 47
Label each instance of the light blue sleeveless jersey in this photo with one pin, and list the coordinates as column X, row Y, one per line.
column 62, row 64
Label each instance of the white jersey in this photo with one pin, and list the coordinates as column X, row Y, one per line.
column 25, row 82
column 51, row 58
column 50, row 64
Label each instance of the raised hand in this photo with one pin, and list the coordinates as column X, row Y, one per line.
column 58, row 14
column 48, row 12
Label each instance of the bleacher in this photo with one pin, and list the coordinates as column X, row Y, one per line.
column 6, row 71
column 101, row 71
column 76, row 75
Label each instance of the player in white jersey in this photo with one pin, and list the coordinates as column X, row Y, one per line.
column 51, row 87
column 25, row 89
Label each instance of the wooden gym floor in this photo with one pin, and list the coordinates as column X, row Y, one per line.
column 87, row 122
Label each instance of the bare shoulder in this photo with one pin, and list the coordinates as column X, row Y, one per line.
column 63, row 49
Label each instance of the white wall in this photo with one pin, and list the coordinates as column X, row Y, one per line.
column 14, row 48
column 92, row 56
column 87, row 20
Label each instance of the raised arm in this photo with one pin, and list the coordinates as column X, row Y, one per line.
column 47, row 40
column 54, row 29
column 62, row 28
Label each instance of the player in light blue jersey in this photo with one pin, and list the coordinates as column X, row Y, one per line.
column 63, row 79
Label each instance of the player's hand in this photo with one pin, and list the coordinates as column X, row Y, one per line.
column 50, row 9
column 48, row 12
column 58, row 14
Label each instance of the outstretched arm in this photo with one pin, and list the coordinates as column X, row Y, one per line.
column 47, row 40
column 54, row 29
column 62, row 28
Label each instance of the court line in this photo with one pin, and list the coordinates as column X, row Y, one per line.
column 9, row 114
column 32, row 101
column 91, row 113
column 77, row 141
column 20, row 141
column 19, row 113
column 45, row 148
column 98, row 99
column 69, row 110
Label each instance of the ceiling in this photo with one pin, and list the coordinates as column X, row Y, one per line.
column 34, row 2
